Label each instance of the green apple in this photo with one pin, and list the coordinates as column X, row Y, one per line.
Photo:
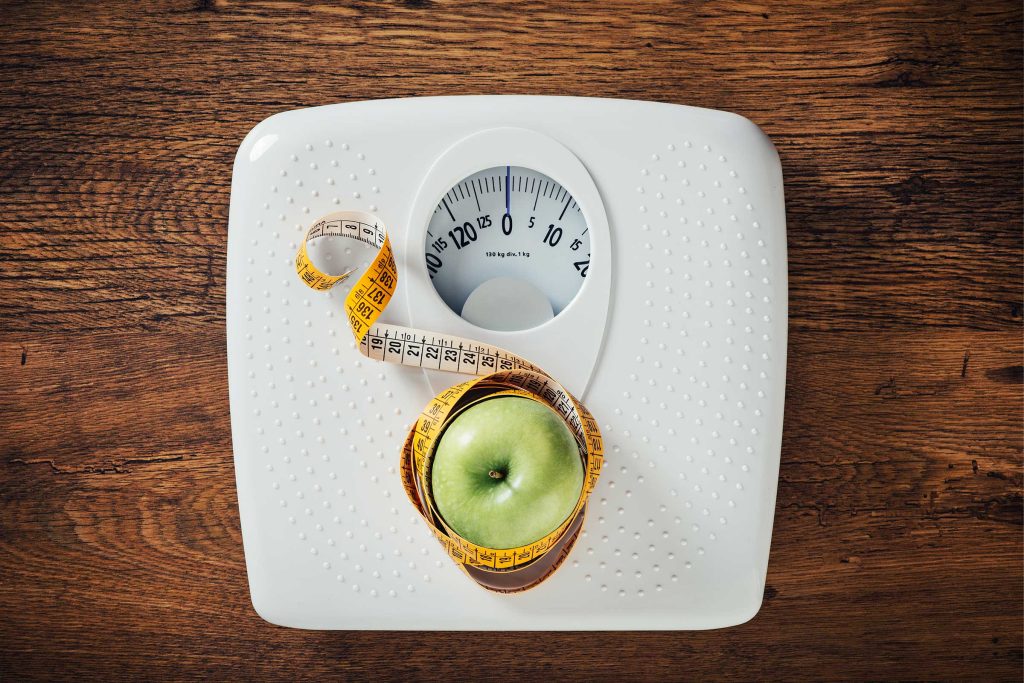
column 506, row 472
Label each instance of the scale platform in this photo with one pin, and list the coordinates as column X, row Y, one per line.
column 659, row 241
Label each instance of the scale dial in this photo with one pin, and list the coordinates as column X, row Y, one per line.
column 507, row 248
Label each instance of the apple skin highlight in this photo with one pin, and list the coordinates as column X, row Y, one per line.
column 506, row 472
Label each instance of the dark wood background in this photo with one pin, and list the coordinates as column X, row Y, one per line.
column 898, row 540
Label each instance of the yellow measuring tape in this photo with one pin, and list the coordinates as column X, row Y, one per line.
column 498, row 373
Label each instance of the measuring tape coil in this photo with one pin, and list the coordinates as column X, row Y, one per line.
column 497, row 372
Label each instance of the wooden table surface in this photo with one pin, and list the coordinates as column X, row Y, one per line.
column 898, row 542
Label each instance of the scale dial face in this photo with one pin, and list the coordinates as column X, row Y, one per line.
column 507, row 248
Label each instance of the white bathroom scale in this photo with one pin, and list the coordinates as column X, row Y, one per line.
column 636, row 251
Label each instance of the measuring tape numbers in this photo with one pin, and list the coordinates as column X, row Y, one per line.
column 497, row 372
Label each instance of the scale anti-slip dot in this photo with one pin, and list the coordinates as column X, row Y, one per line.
column 634, row 251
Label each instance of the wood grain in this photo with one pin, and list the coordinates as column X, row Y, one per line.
column 897, row 548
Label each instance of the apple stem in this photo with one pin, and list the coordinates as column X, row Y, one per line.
column 495, row 474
